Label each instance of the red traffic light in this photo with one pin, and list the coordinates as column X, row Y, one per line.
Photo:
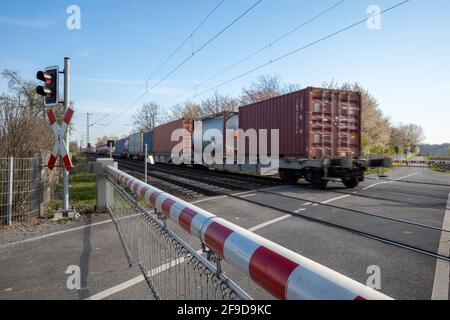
column 43, row 91
column 44, row 76
column 50, row 89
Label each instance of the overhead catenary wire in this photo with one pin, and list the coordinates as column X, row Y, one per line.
column 267, row 46
column 196, row 52
column 310, row 44
column 174, row 52
column 103, row 118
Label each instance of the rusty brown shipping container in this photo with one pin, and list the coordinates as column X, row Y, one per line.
column 312, row 123
column 162, row 144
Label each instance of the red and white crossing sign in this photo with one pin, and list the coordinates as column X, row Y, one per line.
column 60, row 146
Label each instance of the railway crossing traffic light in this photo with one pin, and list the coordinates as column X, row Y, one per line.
column 50, row 89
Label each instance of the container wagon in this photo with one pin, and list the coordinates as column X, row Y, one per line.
column 203, row 134
column 102, row 150
column 136, row 145
column 162, row 139
column 119, row 148
column 319, row 136
column 148, row 140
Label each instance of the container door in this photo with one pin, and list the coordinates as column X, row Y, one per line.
column 347, row 119
column 321, row 124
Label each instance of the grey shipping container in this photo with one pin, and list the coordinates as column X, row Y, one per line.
column 119, row 147
column 203, row 136
column 148, row 140
column 136, row 144
column 312, row 123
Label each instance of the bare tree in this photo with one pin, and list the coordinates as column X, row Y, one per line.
column 187, row 109
column 332, row 84
column 24, row 129
column 291, row 87
column 407, row 136
column 376, row 128
column 104, row 140
column 148, row 117
column 265, row 87
column 219, row 103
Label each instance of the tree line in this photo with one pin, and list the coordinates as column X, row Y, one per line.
column 380, row 135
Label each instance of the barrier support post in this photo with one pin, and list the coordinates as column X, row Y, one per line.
column 98, row 168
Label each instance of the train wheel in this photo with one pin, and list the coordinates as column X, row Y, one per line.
column 320, row 184
column 288, row 177
column 351, row 183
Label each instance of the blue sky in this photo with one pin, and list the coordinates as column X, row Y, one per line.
column 405, row 64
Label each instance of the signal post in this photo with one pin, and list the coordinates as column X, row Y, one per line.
column 50, row 91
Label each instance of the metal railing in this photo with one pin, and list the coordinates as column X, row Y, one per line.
column 174, row 270
column 432, row 172
column 20, row 189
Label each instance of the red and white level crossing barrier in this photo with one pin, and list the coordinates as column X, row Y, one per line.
column 280, row 271
column 60, row 145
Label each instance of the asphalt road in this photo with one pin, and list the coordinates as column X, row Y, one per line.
column 36, row 269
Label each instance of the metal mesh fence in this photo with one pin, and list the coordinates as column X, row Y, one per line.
column 422, row 172
column 20, row 189
column 172, row 269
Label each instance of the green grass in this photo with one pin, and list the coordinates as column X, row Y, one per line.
column 82, row 186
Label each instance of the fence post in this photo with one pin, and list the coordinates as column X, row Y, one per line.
column 10, row 191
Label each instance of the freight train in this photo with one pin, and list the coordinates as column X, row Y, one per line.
column 319, row 138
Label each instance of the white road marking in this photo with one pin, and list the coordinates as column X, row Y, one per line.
column 299, row 210
column 241, row 193
column 136, row 280
column 208, row 199
column 442, row 273
column 386, row 182
column 248, row 195
column 54, row 234
column 265, row 224
column 337, row 198
column 307, row 204
column 409, row 175
column 127, row 284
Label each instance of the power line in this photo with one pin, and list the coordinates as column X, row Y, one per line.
column 197, row 51
column 99, row 120
column 178, row 48
column 269, row 45
column 300, row 49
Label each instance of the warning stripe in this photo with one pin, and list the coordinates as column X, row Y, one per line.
column 68, row 116
column 281, row 272
column 51, row 116
column 271, row 271
column 185, row 218
column 166, row 205
column 52, row 162
column 215, row 237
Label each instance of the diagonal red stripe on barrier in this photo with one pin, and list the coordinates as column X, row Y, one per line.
column 68, row 115
column 186, row 217
column 166, row 205
column 215, row 237
column 153, row 197
column 143, row 192
column 51, row 116
column 271, row 271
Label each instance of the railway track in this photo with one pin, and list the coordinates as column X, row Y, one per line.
column 418, row 237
